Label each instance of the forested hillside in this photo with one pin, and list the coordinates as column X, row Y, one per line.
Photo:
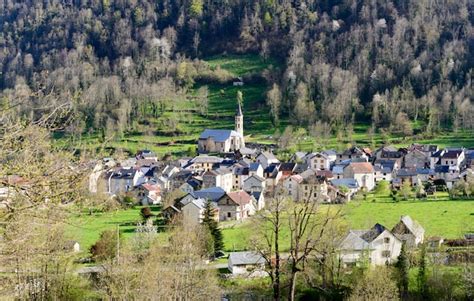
column 111, row 65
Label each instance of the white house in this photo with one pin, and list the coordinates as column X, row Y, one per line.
column 246, row 263
column 378, row 246
column 318, row 161
column 362, row 172
column 291, row 185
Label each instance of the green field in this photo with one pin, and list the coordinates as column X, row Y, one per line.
column 449, row 219
column 86, row 228
column 441, row 217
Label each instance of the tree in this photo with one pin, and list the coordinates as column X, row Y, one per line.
column 209, row 221
column 146, row 213
column 169, row 270
column 405, row 190
column 106, row 247
column 307, row 227
column 240, row 97
column 274, row 101
column 376, row 285
column 202, row 100
column 267, row 240
column 403, row 267
column 421, row 277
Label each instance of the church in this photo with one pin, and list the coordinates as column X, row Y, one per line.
column 223, row 141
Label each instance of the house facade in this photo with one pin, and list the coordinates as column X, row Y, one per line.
column 362, row 172
column 377, row 245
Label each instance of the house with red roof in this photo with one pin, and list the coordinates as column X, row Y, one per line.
column 236, row 205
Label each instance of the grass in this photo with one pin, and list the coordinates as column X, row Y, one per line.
column 86, row 229
column 439, row 217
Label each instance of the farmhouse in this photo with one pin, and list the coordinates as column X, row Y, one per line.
column 378, row 244
column 223, row 141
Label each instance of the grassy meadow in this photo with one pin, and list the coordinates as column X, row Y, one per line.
column 438, row 215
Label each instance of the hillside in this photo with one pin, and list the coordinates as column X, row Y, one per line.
column 123, row 72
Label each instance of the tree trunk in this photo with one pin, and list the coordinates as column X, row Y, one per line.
column 291, row 296
column 276, row 284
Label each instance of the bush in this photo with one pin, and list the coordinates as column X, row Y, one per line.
column 106, row 247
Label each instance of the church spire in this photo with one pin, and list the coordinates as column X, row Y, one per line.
column 239, row 110
column 239, row 119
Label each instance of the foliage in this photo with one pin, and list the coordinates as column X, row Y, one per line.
column 376, row 285
column 209, row 221
column 106, row 247
column 403, row 266
column 146, row 213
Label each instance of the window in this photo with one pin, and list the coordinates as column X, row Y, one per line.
column 386, row 254
column 229, row 214
column 386, row 240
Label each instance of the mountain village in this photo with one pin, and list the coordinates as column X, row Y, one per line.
column 238, row 180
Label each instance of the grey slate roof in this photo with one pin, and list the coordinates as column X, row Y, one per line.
column 212, row 194
column 218, row 135
column 349, row 183
column 246, row 258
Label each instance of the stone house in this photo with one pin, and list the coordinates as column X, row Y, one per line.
column 409, row 231
column 254, row 183
column 416, row 159
column 221, row 177
column 204, row 163
column 246, row 263
column 352, row 153
column 237, row 205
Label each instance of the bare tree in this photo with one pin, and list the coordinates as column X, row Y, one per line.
column 267, row 241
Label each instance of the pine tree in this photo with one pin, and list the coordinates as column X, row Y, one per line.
column 421, row 277
column 403, row 267
column 213, row 227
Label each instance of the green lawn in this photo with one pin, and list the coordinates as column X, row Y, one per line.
column 86, row 228
column 449, row 219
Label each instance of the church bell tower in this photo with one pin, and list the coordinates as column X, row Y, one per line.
column 239, row 120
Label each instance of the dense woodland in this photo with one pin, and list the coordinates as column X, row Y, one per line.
column 110, row 63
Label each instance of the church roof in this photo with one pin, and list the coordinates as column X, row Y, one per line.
column 218, row 135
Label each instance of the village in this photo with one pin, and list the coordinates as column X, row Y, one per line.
column 238, row 181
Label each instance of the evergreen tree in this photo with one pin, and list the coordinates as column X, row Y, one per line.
column 421, row 277
column 213, row 227
column 403, row 267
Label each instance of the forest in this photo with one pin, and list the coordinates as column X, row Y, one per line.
column 109, row 66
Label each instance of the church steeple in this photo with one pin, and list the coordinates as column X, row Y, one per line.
column 239, row 120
